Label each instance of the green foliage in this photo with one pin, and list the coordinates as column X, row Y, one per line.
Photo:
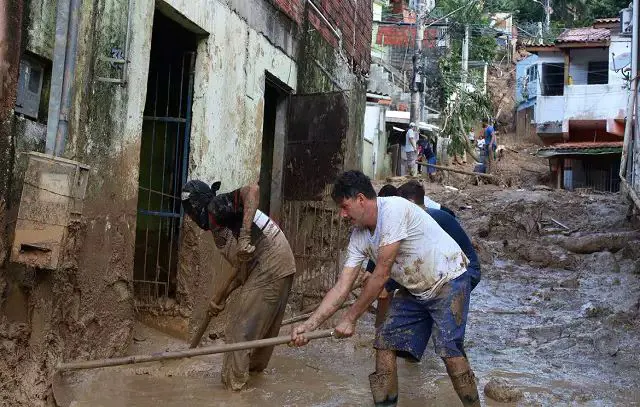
column 465, row 104
column 568, row 13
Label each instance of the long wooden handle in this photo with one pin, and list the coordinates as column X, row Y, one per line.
column 229, row 286
column 189, row 353
column 197, row 337
column 302, row 317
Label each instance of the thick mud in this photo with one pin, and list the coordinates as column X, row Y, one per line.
column 559, row 323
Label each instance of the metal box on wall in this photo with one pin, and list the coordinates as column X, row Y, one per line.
column 52, row 197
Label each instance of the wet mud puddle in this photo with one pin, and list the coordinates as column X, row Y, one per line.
column 334, row 373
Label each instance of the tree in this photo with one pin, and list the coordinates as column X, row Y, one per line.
column 464, row 105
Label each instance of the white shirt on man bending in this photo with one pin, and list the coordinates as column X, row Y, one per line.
column 427, row 258
column 408, row 147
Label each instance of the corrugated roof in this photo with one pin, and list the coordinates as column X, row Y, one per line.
column 587, row 148
column 585, row 34
column 609, row 20
column 583, row 145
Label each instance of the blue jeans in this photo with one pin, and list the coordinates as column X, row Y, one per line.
column 411, row 321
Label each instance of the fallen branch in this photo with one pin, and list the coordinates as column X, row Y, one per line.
column 596, row 242
column 476, row 174
column 559, row 224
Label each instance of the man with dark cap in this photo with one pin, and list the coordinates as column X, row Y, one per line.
column 250, row 241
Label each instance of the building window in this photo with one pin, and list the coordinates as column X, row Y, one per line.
column 553, row 79
column 29, row 87
column 532, row 73
column 598, row 73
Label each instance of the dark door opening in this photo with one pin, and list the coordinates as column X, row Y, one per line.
column 273, row 139
column 164, row 155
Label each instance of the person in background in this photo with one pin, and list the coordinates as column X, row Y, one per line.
column 427, row 155
column 414, row 192
column 490, row 144
column 411, row 150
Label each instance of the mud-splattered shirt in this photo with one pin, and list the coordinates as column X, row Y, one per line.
column 427, row 258
column 272, row 259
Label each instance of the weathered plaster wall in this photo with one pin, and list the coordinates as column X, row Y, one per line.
column 84, row 309
column 40, row 21
column 228, row 108
column 11, row 23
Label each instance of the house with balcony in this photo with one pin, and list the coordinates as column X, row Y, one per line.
column 574, row 93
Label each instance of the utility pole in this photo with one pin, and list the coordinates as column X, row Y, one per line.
column 417, row 85
column 547, row 16
column 465, row 54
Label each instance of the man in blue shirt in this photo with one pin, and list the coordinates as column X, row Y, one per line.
column 490, row 144
column 414, row 192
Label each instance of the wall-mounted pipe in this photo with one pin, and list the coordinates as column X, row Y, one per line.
column 57, row 73
column 127, row 38
column 68, row 78
column 324, row 19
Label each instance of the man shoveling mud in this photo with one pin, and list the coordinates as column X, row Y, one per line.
column 428, row 264
column 264, row 267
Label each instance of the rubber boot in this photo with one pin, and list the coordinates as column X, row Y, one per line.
column 384, row 388
column 464, row 384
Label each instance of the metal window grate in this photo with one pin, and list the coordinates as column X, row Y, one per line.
column 163, row 170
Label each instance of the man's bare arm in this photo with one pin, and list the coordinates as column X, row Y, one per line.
column 375, row 284
column 334, row 298
column 250, row 196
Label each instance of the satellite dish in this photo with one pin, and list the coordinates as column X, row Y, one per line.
column 619, row 62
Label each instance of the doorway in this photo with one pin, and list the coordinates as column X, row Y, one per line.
column 276, row 96
column 164, row 153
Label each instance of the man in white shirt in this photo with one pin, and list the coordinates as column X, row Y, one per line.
column 411, row 149
column 412, row 249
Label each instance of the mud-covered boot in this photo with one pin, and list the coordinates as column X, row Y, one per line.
column 384, row 388
column 464, row 384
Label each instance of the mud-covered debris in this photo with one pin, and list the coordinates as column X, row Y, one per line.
column 606, row 342
column 591, row 310
column 601, row 262
column 572, row 282
column 545, row 333
column 596, row 242
column 502, row 390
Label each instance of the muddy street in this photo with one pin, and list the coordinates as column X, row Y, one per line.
column 550, row 326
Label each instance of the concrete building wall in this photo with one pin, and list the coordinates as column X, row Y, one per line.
column 549, row 109
column 591, row 102
column 579, row 62
column 371, row 139
column 531, row 91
